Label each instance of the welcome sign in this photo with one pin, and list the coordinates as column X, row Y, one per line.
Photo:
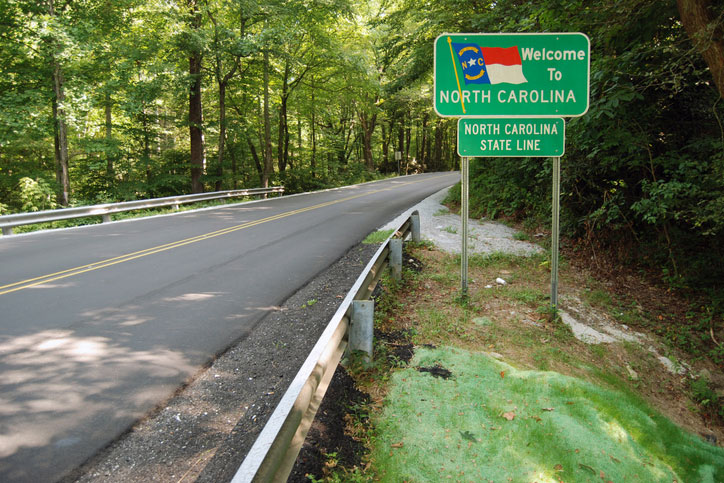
column 512, row 75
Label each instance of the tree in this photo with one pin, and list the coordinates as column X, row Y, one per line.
column 59, row 113
column 705, row 27
column 196, row 116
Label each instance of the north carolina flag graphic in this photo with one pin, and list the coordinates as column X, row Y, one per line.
column 490, row 65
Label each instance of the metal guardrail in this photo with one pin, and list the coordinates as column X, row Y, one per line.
column 275, row 450
column 8, row 222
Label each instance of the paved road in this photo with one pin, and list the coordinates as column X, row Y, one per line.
column 100, row 324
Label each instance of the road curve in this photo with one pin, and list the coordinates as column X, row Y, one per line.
column 100, row 324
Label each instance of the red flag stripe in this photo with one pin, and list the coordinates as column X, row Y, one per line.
column 501, row 55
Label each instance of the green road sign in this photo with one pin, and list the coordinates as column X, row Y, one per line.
column 512, row 75
column 511, row 137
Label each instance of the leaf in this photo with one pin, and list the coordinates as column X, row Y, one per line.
column 398, row 445
column 587, row 468
column 558, row 467
column 509, row 415
column 502, row 374
column 547, row 409
column 468, row 436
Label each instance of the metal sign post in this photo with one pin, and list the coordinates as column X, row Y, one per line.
column 465, row 164
column 556, row 202
column 511, row 92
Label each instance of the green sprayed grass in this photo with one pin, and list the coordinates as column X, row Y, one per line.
column 563, row 429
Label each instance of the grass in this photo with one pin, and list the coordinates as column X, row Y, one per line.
column 521, row 236
column 494, row 422
column 378, row 236
column 602, row 422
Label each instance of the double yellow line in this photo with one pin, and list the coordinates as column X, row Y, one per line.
column 71, row 272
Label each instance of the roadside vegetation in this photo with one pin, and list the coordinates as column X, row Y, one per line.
column 499, row 388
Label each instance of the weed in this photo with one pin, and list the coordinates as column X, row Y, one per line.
column 599, row 350
column 495, row 259
column 706, row 397
column 450, row 229
column 426, row 244
column 549, row 312
column 441, row 212
column 378, row 236
column 521, row 236
column 528, row 296
column 309, row 303
column 599, row 298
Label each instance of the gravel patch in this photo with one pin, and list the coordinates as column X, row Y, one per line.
column 444, row 229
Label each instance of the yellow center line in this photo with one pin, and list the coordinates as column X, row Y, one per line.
column 52, row 277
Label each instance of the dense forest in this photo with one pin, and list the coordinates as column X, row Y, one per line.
column 117, row 100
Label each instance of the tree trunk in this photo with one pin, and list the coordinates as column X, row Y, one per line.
column 401, row 145
column 436, row 161
column 234, row 165
column 268, row 166
column 62, row 172
column 196, row 136
column 255, row 156
column 110, row 169
column 385, row 147
column 313, row 163
column 408, row 138
column 423, row 149
column 282, row 146
column 707, row 36
column 368, row 129
column 147, row 151
column 222, row 136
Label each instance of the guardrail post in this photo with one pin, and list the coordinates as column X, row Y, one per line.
column 361, row 327
column 7, row 230
column 106, row 218
column 415, row 218
column 396, row 257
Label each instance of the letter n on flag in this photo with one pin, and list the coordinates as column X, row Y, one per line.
column 490, row 65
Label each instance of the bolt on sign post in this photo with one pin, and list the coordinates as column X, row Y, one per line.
column 511, row 91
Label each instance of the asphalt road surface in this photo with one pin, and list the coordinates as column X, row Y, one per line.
column 100, row 324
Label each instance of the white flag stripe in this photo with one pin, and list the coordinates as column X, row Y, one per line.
column 510, row 74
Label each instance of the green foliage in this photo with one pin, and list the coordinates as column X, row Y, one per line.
column 706, row 396
column 377, row 236
column 35, row 195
